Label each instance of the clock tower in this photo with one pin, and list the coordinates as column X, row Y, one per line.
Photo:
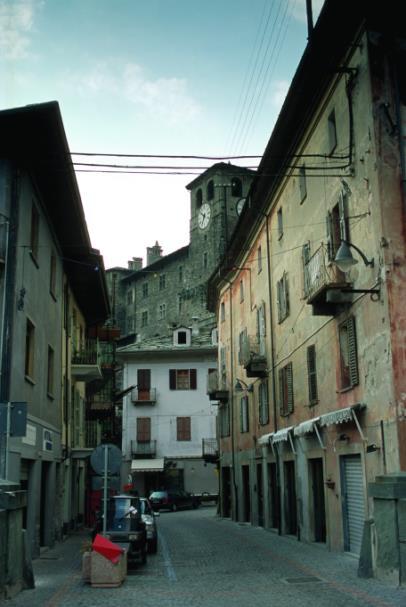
column 217, row 197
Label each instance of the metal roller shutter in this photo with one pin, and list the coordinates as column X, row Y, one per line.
column 353, row 502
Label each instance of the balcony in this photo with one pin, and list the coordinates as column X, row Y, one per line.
column 216, row 387
column 323, row 283
column 210, row 448
column 253, row 358
column 143, row 397
column 143, row 449
column 85, row 363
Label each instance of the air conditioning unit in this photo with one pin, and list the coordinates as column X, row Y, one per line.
column 47, row 440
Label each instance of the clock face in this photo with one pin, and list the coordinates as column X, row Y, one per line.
column 204, row 216
column 240, row 205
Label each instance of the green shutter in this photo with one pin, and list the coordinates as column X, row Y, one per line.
column 342, row 209
column 289, row 382
column 305, row 261
column 329, row 227
column 281, row 392
column 352, row 351
column 311, row 374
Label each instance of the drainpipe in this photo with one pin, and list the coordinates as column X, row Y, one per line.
column 309, row 14
column 232, row 402
column 272, row 366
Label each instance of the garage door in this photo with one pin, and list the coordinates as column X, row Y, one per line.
column 353, row 502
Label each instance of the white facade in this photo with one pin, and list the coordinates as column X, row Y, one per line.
column 168, row 403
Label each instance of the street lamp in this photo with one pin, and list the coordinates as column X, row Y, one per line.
column 344, row 259
column 241, row 386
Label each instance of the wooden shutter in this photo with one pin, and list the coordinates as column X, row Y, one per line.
column 144, row 379
column 286, row 293
column 289, row 383
column 143, row 429
column 263, row 403
column 311, row 374
column 193, row 379
column 183, row 428
column 281, row 392
column 305, row 261
column 352, row 351
column 172, row 379
column 278, row 299
column 330, row 231
column 342, row 210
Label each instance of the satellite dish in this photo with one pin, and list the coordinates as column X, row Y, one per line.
column 113, row 460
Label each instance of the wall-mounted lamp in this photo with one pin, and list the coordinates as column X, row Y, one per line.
column 344, row 438
column 344, row 259
column 241, row 386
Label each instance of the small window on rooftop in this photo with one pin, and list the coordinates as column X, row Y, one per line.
column 199, row 198
column 236, row 187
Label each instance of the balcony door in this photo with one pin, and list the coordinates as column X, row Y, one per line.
column 144, row 384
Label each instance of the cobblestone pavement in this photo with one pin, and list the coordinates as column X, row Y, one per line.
column 204, row 561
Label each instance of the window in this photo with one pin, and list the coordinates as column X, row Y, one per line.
column 143, row 429
column 161, row 311
column 182, row 379
column 244, row 414
column 261, row 328
column 259, row 255
column 280, row 224
column 50, row 376
column 263, row 403
column 162, row 282
column 129, row 296
column 337, row 226
column 214, row 337
column 242, row 340
column 332, row 132
column 302, row 183
column 52, row 274
column 180, row 305
column 29, row 349
column 145, row 290
column 182, row 338
column 180, row 274
column 144, row 318
column 224, row 413
column 34, row 236
column 130, row 324
column 210, row 190
column 308, row 278
column 348, row 354
column 282, row 293
column 223, row 368
column 222, row 312
column 144, row 383
column 199, row 198
column 312, row 374
column 236, row 187
column 183, row 429
column 241, row 291
column 286, row 390
column 205, row 260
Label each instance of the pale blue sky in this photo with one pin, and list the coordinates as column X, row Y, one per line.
column 161, row 77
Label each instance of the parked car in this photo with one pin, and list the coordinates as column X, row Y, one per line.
column 148, row 516
column 173, row 500
column 125, row 526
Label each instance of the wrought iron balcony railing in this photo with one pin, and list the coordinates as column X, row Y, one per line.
column 210, row 449
column 217, row 386
column 253, row 357
column 143, row 448
column 146, row 397
column 320, row 275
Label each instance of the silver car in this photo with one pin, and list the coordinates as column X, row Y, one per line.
column 148, row 516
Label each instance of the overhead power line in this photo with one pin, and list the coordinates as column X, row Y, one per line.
column 113, row 155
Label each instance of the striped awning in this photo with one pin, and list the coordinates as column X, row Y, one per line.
column 147, row 465
column 281, row 435
column 306, row 427
column 265, row 439
column 340, row 415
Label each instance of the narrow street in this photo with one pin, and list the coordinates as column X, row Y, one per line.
column 209, row 562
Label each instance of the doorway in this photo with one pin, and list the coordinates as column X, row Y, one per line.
column 317, row 495
column 275, row 514
column 353, row 504
column 246, row 513
column 290, row 505
column 260, row 496
column 226, row 492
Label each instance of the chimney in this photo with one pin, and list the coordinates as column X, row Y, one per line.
column 195, row 326
column 154, row 253
column 135, row 264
